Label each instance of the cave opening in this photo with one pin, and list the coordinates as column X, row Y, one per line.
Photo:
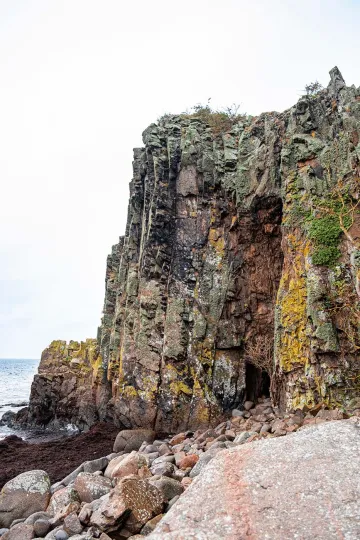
column 257, row 382
column 263, row 272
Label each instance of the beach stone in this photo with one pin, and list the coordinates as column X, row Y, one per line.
column 164, row 449
column 21, row 531
column 99, row 464
column 25, row 494
column 133, row 500
column 131, row 439
column 162, row 469
column 163, row 459
column 244, row 436
column 72, row 524
column 16, row 521
column 253, row 488
column 248, row 405
column 172, row 502
column 178, row 457
column 168, row 487
column 41, row 527
column 91, row 487
column 200, row 465
column 188, row 461
column 150, row 449
column 236, row 413
column 62, row 499
column 149, row 527
column 61, row 535
column 3, row 531
column 133, row 463
column 113, row 464
column 38, row 515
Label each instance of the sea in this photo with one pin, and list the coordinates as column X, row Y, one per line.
column 16, row 376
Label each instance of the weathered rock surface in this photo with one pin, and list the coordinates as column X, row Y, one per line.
column 235, row 233
column 24, row 495
column 305, row 485
column 133, row 501
column 91, row 487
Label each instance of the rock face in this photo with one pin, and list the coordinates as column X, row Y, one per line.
column 279, row 488
column 236, row 233
column 63, row 391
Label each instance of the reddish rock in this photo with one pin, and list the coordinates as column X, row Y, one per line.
column 177, row 439
column 134, row 463
column 188, row 461
column 132, row 503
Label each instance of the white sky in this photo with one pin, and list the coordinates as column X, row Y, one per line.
column 79, row 82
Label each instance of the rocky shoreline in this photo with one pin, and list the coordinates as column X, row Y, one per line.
column 117, row 485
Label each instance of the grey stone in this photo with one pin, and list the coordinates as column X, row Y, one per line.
column 38, row 515
column 172, row 502
column 236, row 412
column 169, row 487
column 243, row 437
column 162, row 469
column 61, row 535
column 248, row 405
column 99, row 464
column 41, row 527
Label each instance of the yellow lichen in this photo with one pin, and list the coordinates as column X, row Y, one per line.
column 293, row 347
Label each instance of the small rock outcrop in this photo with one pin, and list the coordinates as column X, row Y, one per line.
column 238, row 274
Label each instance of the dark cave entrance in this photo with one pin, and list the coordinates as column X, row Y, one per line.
column 263, row 273
column 257, row 383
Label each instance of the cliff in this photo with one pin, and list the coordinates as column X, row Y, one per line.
column 237, row 276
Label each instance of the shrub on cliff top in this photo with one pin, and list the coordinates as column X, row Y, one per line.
column 219, row 120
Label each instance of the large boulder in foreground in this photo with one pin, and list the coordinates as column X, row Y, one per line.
column 24, row 495
column 305, row 485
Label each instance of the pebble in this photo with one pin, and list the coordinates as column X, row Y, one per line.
column 61, row 535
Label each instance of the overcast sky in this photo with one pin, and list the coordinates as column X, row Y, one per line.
column 79, row 82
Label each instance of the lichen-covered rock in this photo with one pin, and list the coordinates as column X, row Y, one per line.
column 235, row 234
column 61, row 392
column 133, row 502
column 24, row 495
column 91, row 487
column 62, row 499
